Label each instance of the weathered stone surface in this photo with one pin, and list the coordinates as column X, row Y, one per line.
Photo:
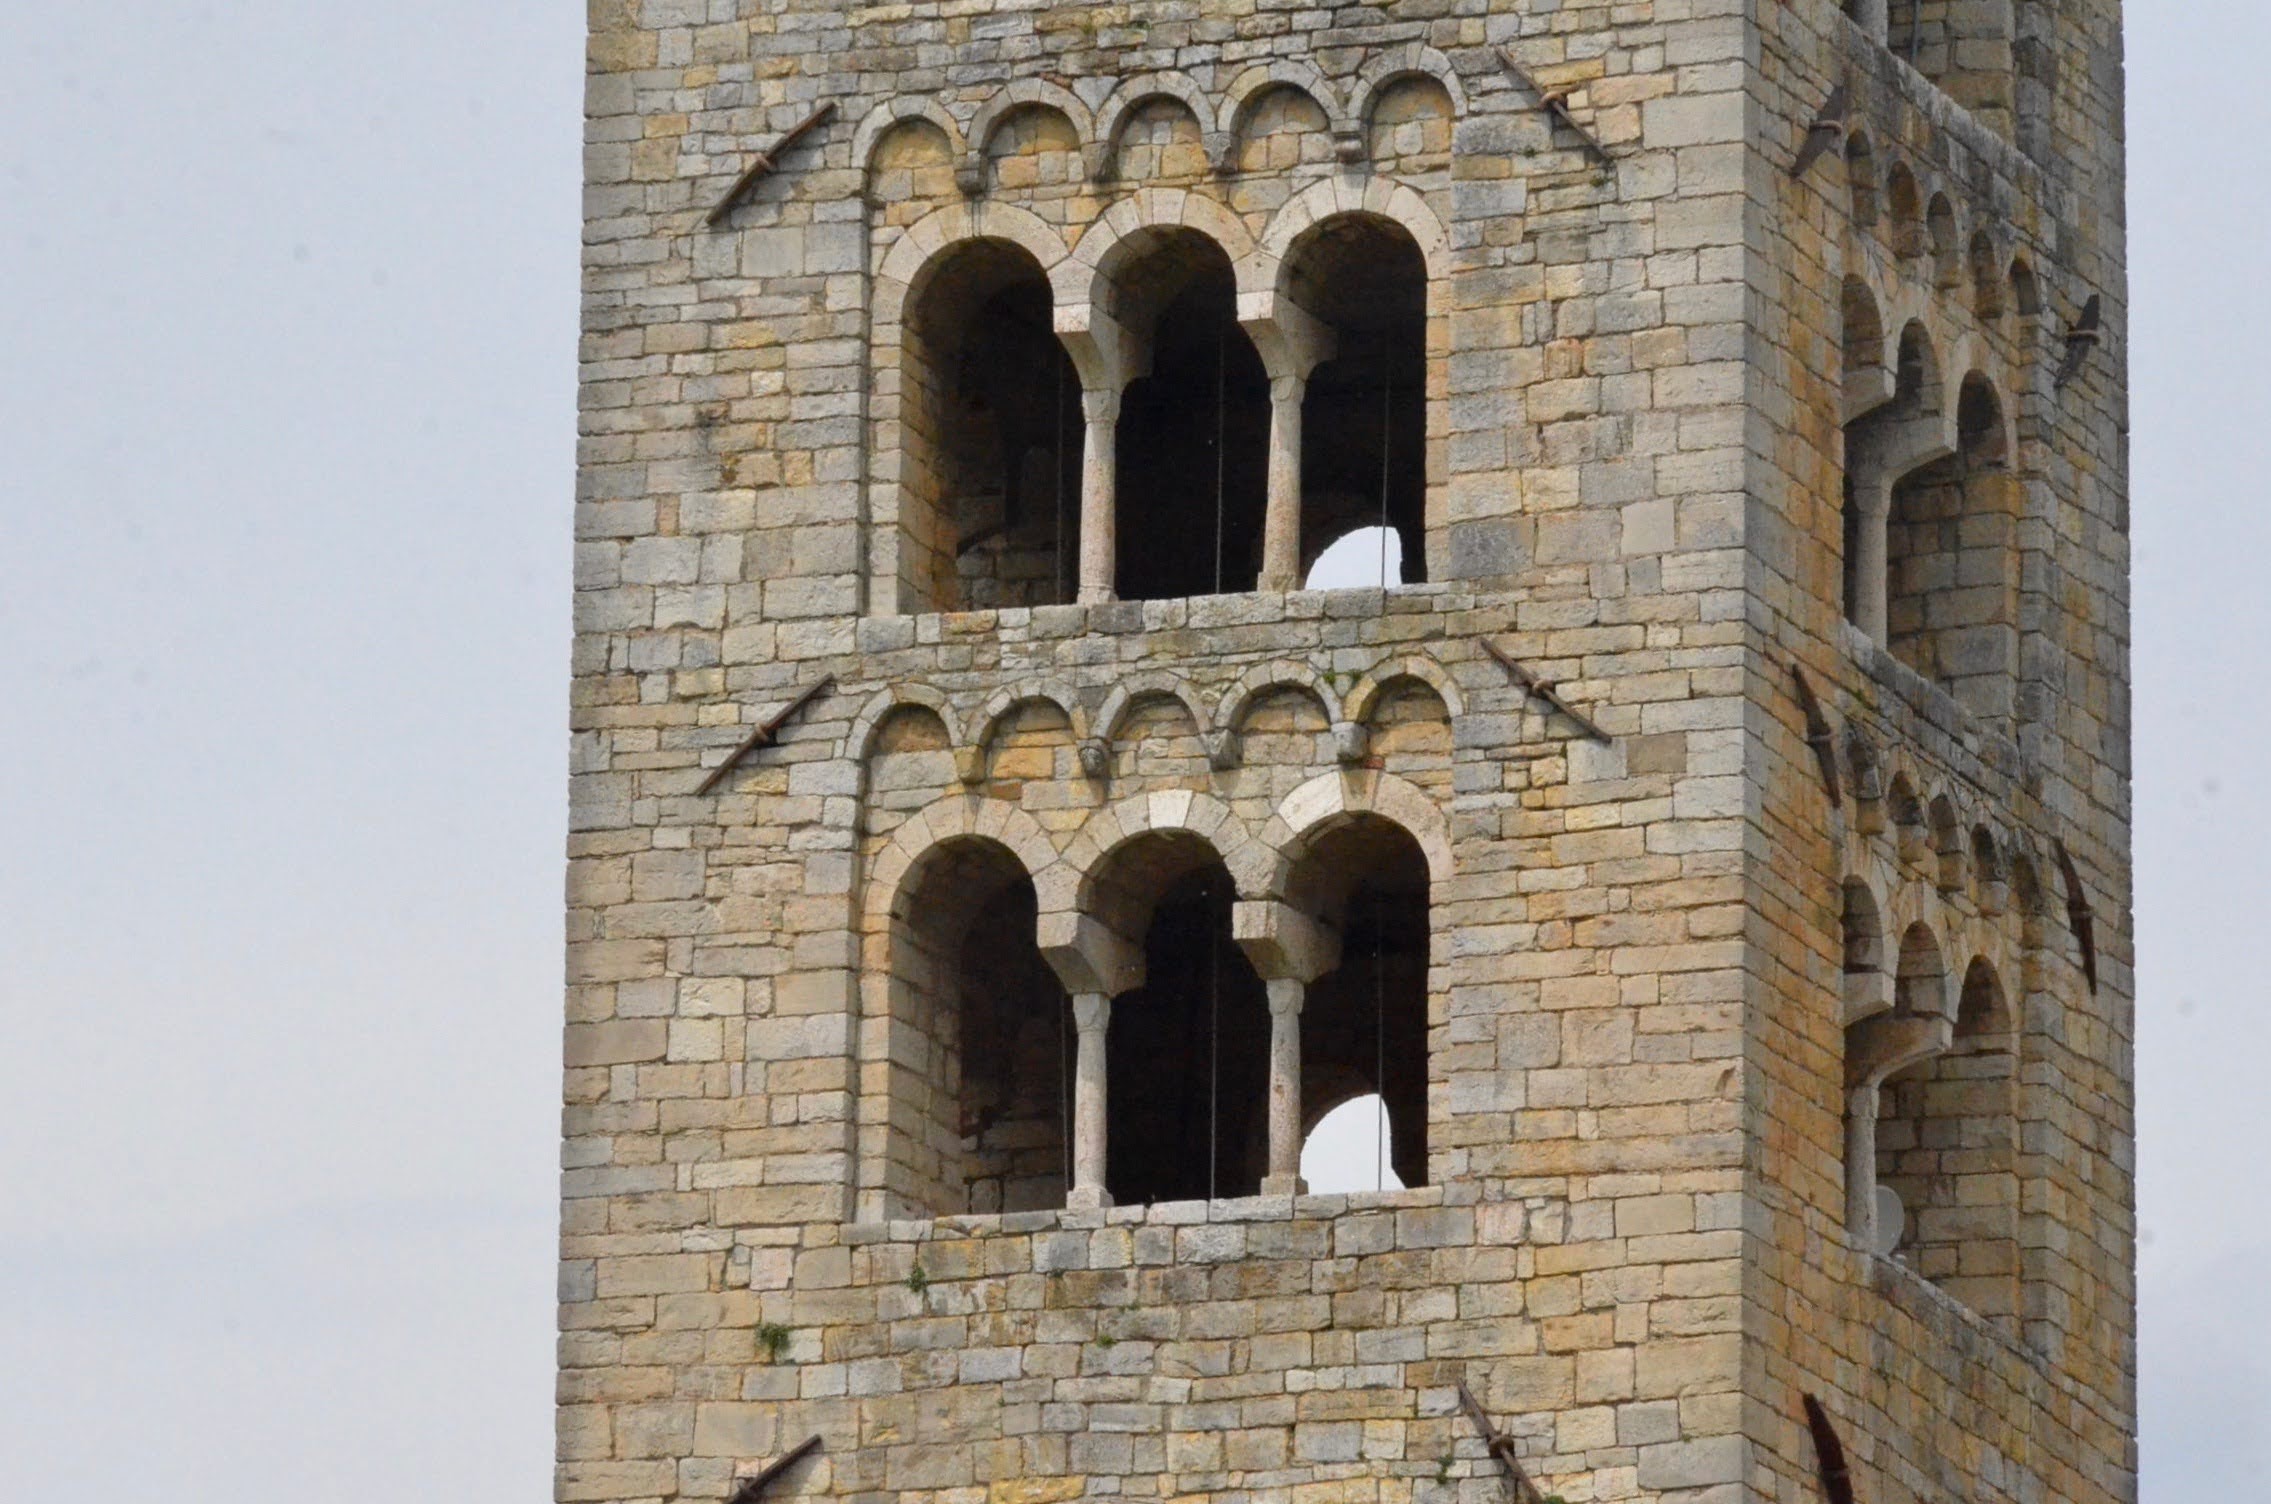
column 829, row 1091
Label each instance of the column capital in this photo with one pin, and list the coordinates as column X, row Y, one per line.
column 1287, row 995
column 1100, row 404
column 1091, row 1012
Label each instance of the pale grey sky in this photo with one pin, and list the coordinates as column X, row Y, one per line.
column 288, row 303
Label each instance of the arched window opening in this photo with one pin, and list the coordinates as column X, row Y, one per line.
column 1188, row 1054
column 1364, row 411
column 1868, row 984
column 1347, row 1150
column 1951, row 554
column 1891, row 423
column 1878, row 1047
column 1193, row 435
column 1366, row 557
column 1868, row 383
column 990, row 438
column 1364, row 1023
column 977, row 1040
column 1945, row 1144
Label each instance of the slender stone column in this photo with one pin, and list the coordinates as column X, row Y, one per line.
column 1873, row 17
column 1099, row 507
column 1281, row 527
column 1872, row 496
column 1091, row 1016
column 1861, row 1166
column 1284, row 1177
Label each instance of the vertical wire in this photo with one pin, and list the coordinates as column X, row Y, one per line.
column 1213, row 1050
column 1221, row 444
column 1387, row 401
column 1059, row 468
column 1379, row 1052
column 1064, row 1094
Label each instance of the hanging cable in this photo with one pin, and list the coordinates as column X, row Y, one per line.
column 1387, row 404
column 1221, row 444
column 1059, row 493
column 1379, row 1049
column 1213, row 1049
column 1064, row 1092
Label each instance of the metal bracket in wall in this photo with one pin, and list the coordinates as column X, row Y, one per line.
column 1544, row 690
column 1819, row 736
column 752, row 1488
column 1827, row 131
column 1829, row 1454
column 767, row 161
column 1557, row 105
column 1501, row 1446
column 765, row 734
column 2082, row 339
column 2078, row 915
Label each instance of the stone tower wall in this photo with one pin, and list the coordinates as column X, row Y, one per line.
column 790, row 1210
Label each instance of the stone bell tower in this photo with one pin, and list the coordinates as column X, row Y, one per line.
column 1700, row 818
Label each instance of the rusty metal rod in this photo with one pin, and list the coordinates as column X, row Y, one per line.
column 1556, row 105
column 1544, row 690
column 753, row 1487
column 763, row 736
column 1819, row 736
column 768, row 160
column 1501, row 1447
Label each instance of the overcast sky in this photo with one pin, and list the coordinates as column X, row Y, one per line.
column 287, row 307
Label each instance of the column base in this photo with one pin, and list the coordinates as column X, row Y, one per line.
column 1284, row 1185
column 1088, row 1198
column 1092, row 596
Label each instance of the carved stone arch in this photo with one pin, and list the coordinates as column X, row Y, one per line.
column 1093, row 949
column 1230, row 712
column 1009, row 698
column 1084, row 279
column 1365, row 697
column 1867, row 936
column 1132, row 95
column 1412, row 60
column 859, row 744
column 1134, row 689
column 1106, row 351
column 1925, row 983
column 899, row 111
column 949, row 818
column 1247, row 89
column 1869, row 378
column 1324, row 200
column 1324, row 800
column 928, row 240
column 1016, row 95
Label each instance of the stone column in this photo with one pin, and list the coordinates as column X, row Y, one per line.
column 1872, row 497
column 1873, row 17
column 1861, row 1166
column 1091, row 1015
column 1281, row 528
column 1099, row 507
column 1284, row 1177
